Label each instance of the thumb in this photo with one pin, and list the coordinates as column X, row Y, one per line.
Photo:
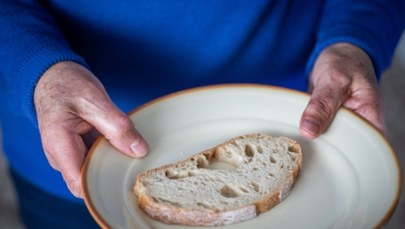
column 320, row 111
column 117, row 127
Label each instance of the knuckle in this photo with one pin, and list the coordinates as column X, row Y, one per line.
column 124, row 123
column 321, row 108
column 122, row 126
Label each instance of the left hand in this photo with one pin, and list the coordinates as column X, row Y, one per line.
column 343, row 75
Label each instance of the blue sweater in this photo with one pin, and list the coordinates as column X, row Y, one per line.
column 144, row 49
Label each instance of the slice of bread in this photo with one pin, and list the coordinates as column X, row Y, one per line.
column 230, row 183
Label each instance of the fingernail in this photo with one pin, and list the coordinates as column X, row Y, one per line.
column 138, row 148
column 310, row 126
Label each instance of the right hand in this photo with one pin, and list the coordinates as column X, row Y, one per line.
column 71, row 105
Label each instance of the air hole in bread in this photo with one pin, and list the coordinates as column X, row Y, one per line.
column 174, row 203
column 204, row 205
column 260, row 149
column 192, row 173
column 145, row 182
column 294, row 148
column 155, row 199
column 249, row 150
column 293, row 157
column 256, row 186
column 244, row 190
column 229, row 192
column 272, row 159
column 202, row 162
column 221, row 165
column 172, row 174
column 169, row 174
column 229, row 155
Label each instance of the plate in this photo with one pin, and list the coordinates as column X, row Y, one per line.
column 350, row 176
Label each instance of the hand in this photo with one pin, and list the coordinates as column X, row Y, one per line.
column 71, row 104
column 343, row 75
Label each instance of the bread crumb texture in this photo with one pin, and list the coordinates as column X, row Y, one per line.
column 229, row 183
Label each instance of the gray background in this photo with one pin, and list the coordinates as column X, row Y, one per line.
column 393, row 92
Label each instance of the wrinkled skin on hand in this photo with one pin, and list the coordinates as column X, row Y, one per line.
column 72, row 108
column 343, row 75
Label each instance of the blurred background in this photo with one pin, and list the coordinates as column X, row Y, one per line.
column 393, row 92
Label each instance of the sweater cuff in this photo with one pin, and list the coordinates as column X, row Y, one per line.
column 31, row 68
column 356, row 36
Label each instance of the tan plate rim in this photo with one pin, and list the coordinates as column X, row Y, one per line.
column 99, row 219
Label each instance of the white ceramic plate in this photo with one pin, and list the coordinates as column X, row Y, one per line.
column 350, row 176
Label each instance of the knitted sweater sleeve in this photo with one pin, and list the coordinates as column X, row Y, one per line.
column 372, row 25
column 30, row 43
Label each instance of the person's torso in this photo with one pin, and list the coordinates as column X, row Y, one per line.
column 144, row 49
column 165, row 46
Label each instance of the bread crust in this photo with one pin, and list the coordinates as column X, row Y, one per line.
column 197, row 217
column 175, row 215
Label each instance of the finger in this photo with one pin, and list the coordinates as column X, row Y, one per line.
column 368, row 105
column 51, row 161
column 320, row 111
column 117, row 128
column 67, row 156
column 372, row 114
